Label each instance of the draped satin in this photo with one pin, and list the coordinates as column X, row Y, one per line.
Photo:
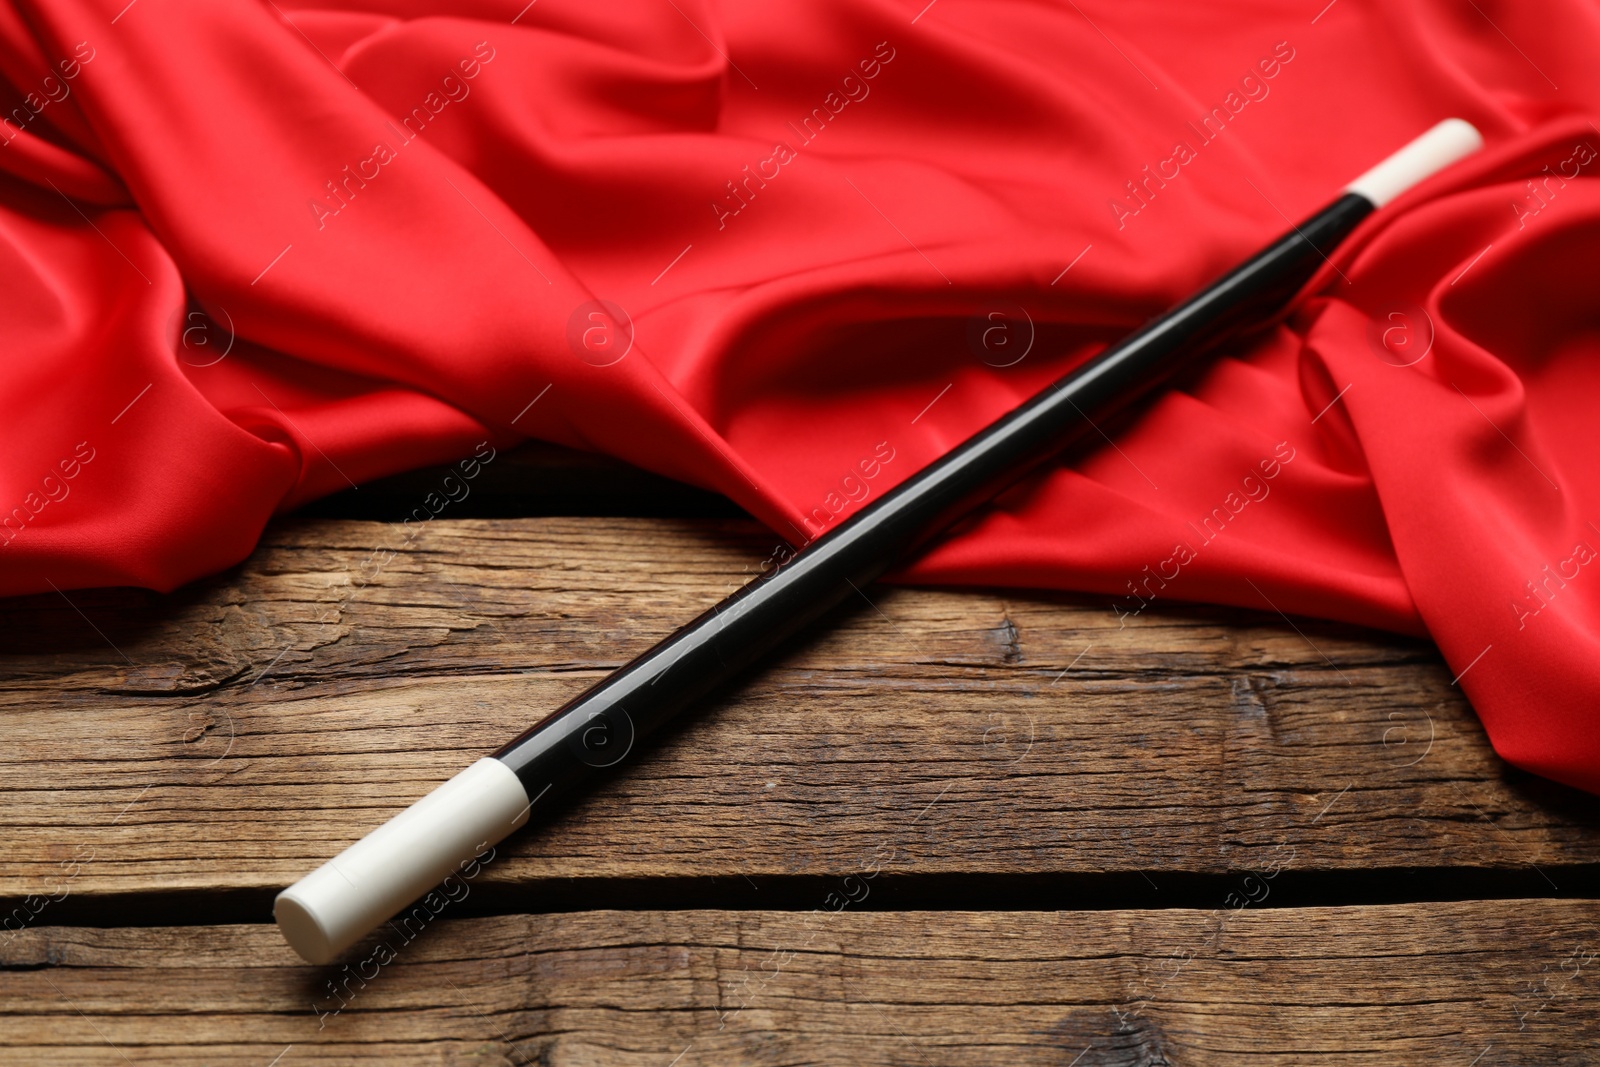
column 256, row 252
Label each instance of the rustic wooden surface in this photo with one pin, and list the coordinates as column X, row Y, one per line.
column 1466, row 983
column 236, row 733
column 1030, row 818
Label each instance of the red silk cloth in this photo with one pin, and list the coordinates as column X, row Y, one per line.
column 785, row 251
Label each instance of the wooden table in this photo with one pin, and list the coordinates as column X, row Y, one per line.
column 954, row 828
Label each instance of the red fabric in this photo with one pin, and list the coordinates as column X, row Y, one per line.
column 827, row 337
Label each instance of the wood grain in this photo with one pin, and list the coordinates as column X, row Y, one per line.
column 240, row 731
column 1487, row 984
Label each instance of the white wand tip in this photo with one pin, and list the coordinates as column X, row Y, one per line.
column 1451, row 140
column 337, row 904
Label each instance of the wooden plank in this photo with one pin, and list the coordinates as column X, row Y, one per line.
column 1483, row 983
column 242, row 730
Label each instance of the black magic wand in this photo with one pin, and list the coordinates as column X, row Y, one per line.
column 334, row 906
